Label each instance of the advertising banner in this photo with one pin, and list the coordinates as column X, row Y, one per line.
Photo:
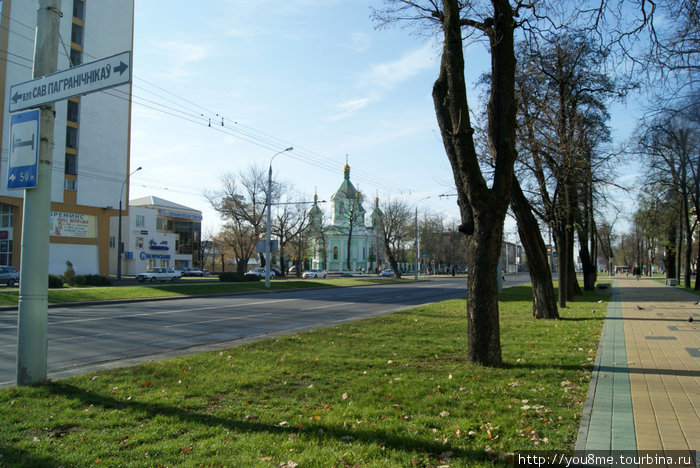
column 72, row 225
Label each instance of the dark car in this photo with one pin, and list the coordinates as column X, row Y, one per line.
column 9, row 275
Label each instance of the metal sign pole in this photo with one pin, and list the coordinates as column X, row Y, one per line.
column 32, row 322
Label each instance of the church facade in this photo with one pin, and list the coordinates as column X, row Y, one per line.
column 346, row 241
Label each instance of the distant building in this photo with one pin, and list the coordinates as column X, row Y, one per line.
column 158, row 233
column 329, row 249
column 91, row 133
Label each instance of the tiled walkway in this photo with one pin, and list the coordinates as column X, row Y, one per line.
column 645, row 392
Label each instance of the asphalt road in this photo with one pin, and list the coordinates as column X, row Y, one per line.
column 88, row 338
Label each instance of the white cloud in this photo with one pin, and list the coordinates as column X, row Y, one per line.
column 350, row 107
column 359, row 42
column 379, row 79
column 181, row 56
column 390, row 74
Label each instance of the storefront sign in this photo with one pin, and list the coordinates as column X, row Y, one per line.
column 145, row 256
column 72, row 225
column 177, row 214
column 153, row 245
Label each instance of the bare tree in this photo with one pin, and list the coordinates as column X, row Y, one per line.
column 395, row 229
column 483, row 205
column 242, row 203
column 671, row 146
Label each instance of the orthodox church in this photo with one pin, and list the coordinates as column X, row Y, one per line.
column 347, row 227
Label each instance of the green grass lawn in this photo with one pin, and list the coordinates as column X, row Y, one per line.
column 394, row 390
column 10, row 296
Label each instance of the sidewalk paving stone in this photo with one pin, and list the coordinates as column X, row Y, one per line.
column 645, row 391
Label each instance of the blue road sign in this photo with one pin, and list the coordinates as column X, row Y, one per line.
column 24, row 150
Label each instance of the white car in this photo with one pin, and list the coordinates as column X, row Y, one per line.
column 260, row 273
column 159, row 274
column 314, row 273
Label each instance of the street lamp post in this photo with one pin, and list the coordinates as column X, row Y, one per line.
column 119, row 235
column 416, row 244
column 269, row 218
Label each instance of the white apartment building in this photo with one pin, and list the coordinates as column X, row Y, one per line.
column 158, row 233
column 91, row 133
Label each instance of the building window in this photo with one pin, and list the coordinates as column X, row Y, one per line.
column 71, row 164
column 71, row 137
column 6, row 215
column 164, row 225
column 335, row 253
column 68, row 184
column 112, row 242
column 76, row 35
column 140, row 221
column 139, row 243
column 164, row 263
column 79, row 9
column 6, row 252
column 73, row 111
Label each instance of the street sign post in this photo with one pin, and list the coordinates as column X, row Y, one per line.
column 83, row 79
column 24, row 150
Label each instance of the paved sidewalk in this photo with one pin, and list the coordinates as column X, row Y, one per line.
column 645, row 391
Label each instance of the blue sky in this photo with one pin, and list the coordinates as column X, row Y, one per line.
column 315, row 75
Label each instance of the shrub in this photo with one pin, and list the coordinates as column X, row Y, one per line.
column 55, row 281
column 69, row 274
column 91, row 280
column 234, row 277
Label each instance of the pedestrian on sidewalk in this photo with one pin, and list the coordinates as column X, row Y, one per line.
column 636, row 271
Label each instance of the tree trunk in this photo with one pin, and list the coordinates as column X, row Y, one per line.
column 544, row 302
column 670, row 252
column 687, row 268
column 484, row 344
column 349, row 247
column 697, row 272
column 283, row 270
column 482, row 209
column 589, row 276
column 563, row 267
column 679, row 261
column 392, row 259
column 241, row 266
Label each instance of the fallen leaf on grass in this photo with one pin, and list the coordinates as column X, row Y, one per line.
column 185, row 450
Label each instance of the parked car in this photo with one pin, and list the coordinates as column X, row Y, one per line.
column 314, row 273
column 189, row 271
column 277, row 272
column 388, row 272
column 9, row 275
column 260, row 273
column 159, row 274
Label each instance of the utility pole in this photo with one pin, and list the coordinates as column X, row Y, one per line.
column 32, row 322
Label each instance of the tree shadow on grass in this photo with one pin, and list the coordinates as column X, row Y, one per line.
column 312, row 430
